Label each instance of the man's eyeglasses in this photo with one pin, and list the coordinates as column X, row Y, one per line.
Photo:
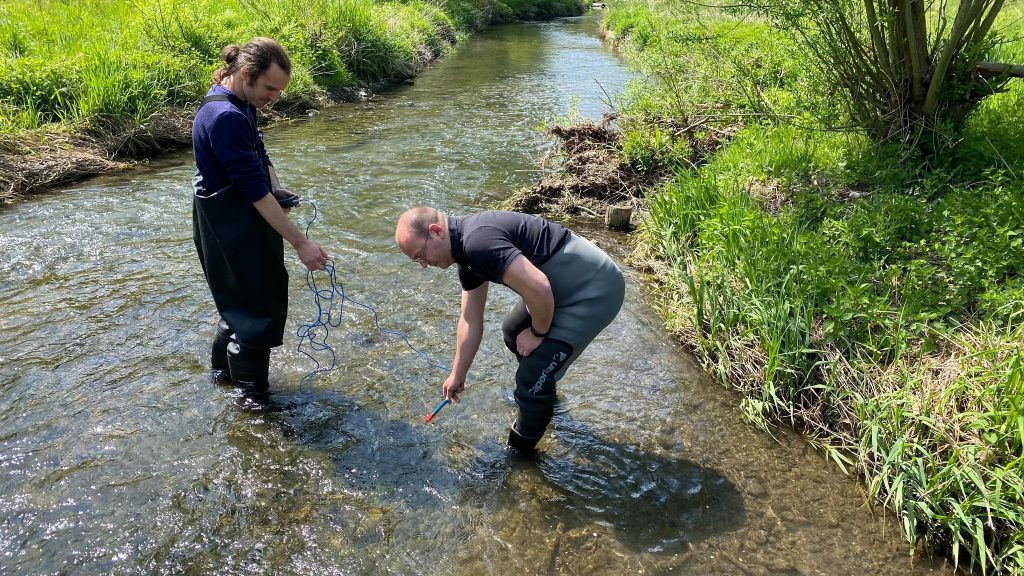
column 419, row 256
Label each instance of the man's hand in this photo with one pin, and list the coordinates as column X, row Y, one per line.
column 452, row 388
column 312, row 255
column 286, row 199
column 526, row 342
column 535, row 288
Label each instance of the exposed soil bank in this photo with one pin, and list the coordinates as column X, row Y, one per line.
column 39, row 160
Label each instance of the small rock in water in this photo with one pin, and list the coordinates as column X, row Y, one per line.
column 756, row 488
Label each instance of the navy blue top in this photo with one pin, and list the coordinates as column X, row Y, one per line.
column 229, row 148
column 484, row 244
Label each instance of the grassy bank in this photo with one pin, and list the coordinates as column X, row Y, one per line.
column 842, row 287
column 90, row 82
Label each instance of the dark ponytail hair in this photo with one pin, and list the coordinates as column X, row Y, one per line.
column 256, row 56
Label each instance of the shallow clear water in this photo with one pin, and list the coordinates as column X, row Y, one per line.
column 118, row 457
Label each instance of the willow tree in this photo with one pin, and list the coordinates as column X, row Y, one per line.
column 907, row 68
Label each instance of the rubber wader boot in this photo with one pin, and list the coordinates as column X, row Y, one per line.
column 220, row 372
column 250, row 371
column 527, row 447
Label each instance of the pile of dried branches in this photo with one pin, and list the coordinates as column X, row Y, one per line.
column 585, row 171
column 52, row 159
column 588, row 172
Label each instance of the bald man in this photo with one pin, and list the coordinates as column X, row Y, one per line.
column 570, row 290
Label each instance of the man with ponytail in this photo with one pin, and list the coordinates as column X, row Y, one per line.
column 239, row 216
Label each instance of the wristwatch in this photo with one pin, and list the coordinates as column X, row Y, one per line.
column 538, row 334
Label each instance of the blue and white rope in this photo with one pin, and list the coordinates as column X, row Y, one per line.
column 330, row 301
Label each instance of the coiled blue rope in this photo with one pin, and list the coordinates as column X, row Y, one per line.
column 330, row 301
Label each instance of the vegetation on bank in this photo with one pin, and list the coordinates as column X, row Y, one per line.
column 86, row 82
column 867, row 291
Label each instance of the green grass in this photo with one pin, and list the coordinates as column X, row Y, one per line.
column 109, row 61
column 869, row 297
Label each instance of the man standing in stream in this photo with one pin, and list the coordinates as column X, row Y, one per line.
column 239, row 216
column 570, row 290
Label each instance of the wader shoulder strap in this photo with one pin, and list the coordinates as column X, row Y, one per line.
column 216, row 98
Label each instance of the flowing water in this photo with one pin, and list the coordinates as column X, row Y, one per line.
column 118, row 457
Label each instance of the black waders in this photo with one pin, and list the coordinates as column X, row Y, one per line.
column 219, row 370
column 535, row 382
column 243, row 260
column 588, row 289
column 250, row 368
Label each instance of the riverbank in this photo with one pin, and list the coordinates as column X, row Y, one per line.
column 92, row 87
column 841, row 288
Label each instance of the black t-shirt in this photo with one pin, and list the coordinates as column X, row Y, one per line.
column 484, row 244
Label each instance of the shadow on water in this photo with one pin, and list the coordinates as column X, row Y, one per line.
column 324, row 486
column 651, row 503
column 326, row 483
column 268, row 502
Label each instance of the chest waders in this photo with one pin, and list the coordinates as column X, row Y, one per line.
column 588, row 290
column 242, row 257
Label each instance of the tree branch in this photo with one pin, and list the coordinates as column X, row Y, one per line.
column 998, row 69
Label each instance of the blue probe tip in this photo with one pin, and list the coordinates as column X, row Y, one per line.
column 430, row 416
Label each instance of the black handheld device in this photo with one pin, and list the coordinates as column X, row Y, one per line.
column 289, row 201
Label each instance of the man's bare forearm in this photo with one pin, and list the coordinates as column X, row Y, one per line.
column 279, row 220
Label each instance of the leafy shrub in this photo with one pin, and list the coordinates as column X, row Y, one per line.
column 40, row 91
column 652, row 150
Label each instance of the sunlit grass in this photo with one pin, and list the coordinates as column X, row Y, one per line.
column 89, row 60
